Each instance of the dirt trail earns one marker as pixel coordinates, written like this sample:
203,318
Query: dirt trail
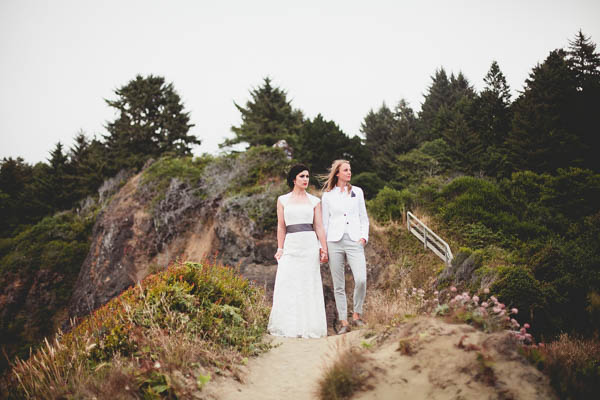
424,358
289,371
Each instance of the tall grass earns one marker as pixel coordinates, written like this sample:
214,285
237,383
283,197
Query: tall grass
162,338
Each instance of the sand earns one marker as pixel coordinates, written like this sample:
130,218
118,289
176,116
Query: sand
444,361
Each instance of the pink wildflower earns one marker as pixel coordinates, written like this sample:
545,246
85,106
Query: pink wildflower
526,325
476,299
494,299
514,311
436,293
484,304
514,322
523,330
453,289
501,305
486,291
502,312
497,309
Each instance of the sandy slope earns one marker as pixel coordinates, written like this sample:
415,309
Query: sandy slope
289,371
439,366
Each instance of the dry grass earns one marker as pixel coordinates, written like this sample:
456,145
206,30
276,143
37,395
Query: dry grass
390,307
345,375
573,366
163,338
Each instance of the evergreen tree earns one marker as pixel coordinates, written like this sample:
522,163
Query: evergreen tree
15,177
491,119
151,122
88,165
584,60
321,141
438,96
542,138
267,118
387,134
464,144
585,63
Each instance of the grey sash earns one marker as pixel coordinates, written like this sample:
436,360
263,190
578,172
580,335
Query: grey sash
298,228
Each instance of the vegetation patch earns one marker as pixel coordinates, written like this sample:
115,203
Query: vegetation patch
158,339
39,267
345,376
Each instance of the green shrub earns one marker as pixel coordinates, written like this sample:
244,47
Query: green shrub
54,249
390,204
212,314
369,182
517,287
256,166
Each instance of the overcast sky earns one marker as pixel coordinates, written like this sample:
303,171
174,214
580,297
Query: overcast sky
60,59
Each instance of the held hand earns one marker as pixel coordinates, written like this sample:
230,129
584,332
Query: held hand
362,242
278,254
323,255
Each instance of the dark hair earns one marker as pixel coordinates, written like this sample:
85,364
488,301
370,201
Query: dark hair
294,171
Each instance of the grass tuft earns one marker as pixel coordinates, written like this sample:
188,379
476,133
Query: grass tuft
345,376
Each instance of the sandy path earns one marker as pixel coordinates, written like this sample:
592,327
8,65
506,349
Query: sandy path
289,371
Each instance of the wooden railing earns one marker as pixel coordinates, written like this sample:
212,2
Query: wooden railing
429,239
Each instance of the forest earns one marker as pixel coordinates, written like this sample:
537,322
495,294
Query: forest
515,181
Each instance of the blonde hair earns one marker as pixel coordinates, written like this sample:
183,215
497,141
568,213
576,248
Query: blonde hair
330,179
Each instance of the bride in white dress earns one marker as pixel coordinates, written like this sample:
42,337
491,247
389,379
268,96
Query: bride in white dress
298,304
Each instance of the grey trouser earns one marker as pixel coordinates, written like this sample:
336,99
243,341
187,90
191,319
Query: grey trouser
339,251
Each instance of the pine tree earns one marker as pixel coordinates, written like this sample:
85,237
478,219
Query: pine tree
438,96
387,134
465,145
491,119
267,118
321,141
542,138
151,122
585,63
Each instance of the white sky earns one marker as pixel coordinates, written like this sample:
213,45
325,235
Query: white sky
59,59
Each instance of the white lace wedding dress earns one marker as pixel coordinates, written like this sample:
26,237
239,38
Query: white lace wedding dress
298,305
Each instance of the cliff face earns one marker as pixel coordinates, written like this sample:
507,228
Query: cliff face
227,210
162,214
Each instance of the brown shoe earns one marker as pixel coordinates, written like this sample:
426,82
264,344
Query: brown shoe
358,322
345,329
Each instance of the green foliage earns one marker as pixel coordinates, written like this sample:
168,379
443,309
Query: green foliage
369,182
151,123
320,142
388,133
517,287
572,364
390,204
206,308
256,166
267,118
49,254
157,178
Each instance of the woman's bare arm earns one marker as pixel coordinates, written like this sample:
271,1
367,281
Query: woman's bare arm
280,230
318,225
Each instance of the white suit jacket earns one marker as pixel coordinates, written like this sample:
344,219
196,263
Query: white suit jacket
339,214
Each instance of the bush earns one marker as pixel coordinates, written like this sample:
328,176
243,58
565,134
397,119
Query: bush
47,257
174,325
390,204
369,182
573,366
517,287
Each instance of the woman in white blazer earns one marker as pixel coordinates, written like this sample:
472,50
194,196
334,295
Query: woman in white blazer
347,230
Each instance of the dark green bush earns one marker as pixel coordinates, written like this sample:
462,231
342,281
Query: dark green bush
517,287
390,204
369,182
